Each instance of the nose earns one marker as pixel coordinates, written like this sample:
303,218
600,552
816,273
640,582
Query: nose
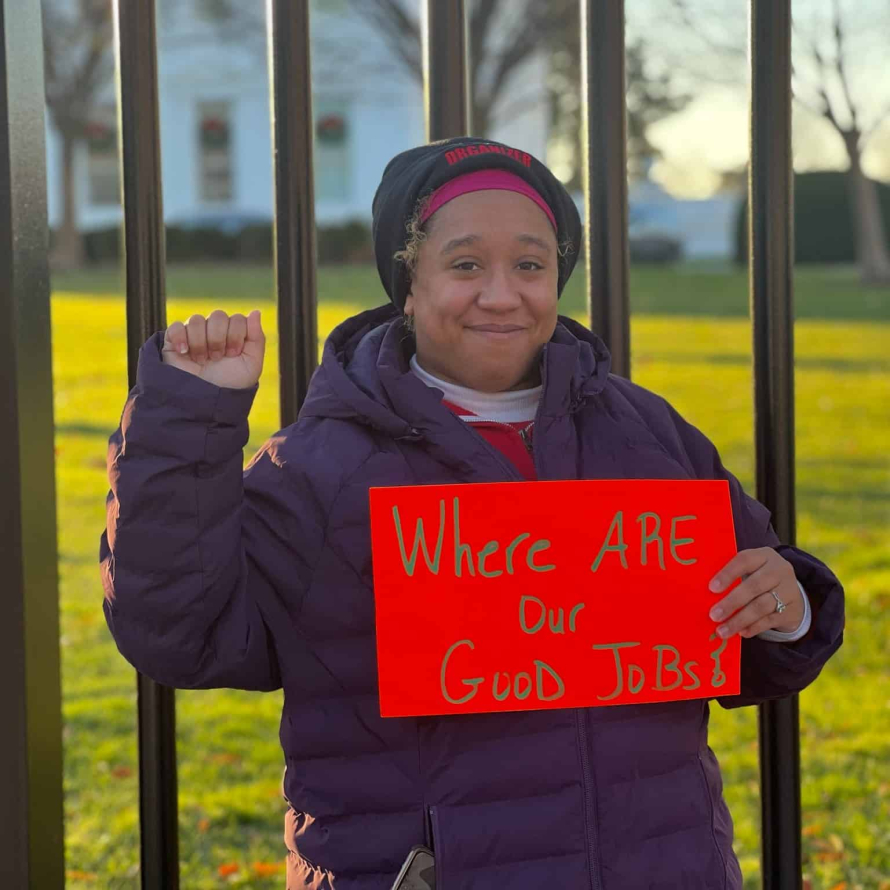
499,291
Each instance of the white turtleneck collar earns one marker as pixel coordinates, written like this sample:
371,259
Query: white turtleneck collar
512,406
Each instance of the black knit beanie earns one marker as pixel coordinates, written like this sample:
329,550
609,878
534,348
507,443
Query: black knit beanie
420,171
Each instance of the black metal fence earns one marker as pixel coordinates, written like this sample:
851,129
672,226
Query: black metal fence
31,815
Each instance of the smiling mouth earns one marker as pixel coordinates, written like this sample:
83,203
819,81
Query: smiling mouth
496,328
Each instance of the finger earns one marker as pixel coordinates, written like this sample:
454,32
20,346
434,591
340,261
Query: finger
255,328
762,581
758,627
176,339
236,334
196,329
217,330
756,610
745,562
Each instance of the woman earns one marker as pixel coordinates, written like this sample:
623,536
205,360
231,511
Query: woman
262,580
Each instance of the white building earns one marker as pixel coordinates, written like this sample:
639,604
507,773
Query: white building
215,132
216,142
705,227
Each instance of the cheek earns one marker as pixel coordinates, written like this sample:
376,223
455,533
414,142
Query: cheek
446,303
546,309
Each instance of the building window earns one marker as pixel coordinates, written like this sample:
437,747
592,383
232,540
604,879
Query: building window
103,173
333,173
215,151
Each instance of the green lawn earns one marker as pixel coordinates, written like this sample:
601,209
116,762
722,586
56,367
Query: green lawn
691,343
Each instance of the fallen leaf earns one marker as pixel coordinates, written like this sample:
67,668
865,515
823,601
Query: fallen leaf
837,843
203,825
122,772
74,875
227,868
841,886
267,869
815,829
226,757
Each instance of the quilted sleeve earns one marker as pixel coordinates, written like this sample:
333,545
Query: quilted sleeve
769,669
196,555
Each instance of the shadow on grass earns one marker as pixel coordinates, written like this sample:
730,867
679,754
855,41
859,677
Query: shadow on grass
84,429
809,362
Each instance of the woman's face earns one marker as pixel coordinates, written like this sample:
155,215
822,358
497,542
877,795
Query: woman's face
483,295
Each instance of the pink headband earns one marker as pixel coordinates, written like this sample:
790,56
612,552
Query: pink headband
482,180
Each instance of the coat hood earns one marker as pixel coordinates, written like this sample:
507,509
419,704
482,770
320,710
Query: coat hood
365,377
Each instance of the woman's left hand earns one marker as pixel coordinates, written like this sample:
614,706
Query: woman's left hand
751,604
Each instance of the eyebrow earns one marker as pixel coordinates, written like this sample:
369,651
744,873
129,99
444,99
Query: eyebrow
454,243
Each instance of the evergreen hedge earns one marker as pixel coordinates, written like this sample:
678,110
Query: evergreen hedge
823,220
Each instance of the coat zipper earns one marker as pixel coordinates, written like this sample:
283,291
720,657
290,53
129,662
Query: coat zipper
590,826
591,829
428,829
523,433
436,847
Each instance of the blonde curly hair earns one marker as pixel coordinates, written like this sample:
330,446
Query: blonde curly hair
416,236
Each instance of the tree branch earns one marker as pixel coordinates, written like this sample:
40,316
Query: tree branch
480,22
839,63
693,23
398,29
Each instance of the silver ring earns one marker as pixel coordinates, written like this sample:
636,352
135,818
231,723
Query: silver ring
780,606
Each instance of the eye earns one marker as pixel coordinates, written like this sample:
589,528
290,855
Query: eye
531,263
460,266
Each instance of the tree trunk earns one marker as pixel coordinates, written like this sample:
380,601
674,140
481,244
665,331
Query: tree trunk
69,250
871,235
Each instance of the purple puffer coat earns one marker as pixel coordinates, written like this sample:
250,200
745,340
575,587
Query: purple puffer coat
263,579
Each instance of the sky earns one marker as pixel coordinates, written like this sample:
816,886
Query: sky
706,56
711,135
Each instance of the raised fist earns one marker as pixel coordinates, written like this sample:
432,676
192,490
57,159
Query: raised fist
221,349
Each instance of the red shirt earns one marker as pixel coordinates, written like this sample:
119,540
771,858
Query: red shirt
508,438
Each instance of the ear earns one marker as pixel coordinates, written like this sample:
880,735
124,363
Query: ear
409,304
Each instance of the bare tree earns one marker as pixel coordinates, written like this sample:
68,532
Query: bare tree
652,95
190,23
78,63
500,43
503,34
825,84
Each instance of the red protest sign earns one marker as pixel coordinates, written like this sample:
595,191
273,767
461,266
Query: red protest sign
520,596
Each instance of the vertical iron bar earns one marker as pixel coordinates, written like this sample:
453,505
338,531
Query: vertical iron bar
446,93
604,138
144,252
295,252
770,193
32,848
